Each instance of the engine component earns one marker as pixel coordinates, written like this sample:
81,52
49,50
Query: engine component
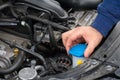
80,4
41,32
109,51
9,54
4,5
27,74
24,49
83,72
55,25
16,64
79,18
48,5
4,63
63,63
2,50
40,23
8,22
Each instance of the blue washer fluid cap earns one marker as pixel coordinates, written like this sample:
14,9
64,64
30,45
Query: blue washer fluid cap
78,50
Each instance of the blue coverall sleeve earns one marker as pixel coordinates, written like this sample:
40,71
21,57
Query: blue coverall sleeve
108,16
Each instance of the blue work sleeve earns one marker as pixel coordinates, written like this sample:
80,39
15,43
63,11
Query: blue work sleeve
108,16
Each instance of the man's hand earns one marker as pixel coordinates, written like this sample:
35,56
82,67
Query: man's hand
85,34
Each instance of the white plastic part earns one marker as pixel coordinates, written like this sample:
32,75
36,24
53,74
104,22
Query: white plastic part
77,61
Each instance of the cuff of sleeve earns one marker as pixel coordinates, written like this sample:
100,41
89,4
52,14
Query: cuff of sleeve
103,24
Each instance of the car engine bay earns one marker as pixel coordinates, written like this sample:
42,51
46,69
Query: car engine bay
30,40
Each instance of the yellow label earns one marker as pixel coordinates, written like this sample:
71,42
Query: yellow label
79,62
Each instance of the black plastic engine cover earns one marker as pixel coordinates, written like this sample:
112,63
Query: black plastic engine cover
80,4
50,5
109,51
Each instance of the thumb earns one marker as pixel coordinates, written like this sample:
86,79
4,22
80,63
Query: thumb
90,48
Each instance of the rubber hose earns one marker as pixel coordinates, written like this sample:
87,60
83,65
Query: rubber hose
5,5
17,63
53,24
29,30
52,38
43,49
26,50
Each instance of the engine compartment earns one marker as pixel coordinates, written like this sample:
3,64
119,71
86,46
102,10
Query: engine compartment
30,39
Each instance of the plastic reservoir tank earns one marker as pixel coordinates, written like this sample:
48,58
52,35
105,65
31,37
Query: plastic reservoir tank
77,52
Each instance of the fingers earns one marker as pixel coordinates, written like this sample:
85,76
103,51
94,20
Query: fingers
72,40
93,42
72,37
90,48
65,36
82,34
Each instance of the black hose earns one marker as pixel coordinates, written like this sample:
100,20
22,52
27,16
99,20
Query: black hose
29,30
53,24
17,63
52,38
26,50
43,49
9,22
13,12
2,79
8,4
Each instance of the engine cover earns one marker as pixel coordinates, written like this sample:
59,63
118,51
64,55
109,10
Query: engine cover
50,5
80,4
